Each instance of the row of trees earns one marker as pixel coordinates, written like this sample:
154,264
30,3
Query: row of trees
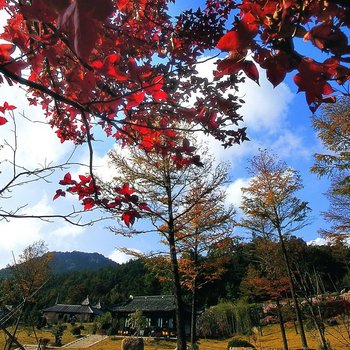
318,270
269,204
243,262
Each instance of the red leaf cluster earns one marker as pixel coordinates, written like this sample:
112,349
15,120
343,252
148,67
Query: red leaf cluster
128,67
3,109
125,201
269,29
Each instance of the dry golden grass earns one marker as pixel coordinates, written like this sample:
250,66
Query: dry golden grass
28,335
270,340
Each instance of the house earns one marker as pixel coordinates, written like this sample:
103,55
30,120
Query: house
72,313
158,310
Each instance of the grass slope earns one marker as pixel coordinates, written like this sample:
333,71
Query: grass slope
271,340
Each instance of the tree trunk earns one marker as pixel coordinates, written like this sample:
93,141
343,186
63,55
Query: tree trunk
319,325
281,322
194,315
194,295
292,291
179,307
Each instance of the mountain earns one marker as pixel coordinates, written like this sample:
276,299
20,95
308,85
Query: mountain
63,262
78,261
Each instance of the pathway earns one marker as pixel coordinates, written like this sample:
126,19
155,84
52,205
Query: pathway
85,342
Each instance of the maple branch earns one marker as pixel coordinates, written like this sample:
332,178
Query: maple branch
91,152
48,218
41,88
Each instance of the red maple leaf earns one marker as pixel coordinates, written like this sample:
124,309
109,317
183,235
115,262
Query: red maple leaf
135,99
82,19
241,37
67,180
88,203
312,78
125,190
59,193
3,120
129,217
232,66
5,52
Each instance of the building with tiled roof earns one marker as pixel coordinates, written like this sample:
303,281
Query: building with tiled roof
85,312
158,310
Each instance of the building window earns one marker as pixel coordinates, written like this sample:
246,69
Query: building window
160,322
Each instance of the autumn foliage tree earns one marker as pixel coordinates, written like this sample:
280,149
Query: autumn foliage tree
333,128
30,270
207,225
269,199
28,274
176,198
267,280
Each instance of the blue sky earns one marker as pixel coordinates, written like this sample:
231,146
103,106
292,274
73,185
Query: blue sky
277,119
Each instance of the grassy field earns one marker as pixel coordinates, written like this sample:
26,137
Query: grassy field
271,339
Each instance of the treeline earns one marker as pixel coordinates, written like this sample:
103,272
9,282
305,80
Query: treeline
319,268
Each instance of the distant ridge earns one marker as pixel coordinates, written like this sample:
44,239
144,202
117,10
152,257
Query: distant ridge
63,262
78,261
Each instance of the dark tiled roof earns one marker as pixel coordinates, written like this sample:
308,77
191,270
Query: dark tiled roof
73,309
147,303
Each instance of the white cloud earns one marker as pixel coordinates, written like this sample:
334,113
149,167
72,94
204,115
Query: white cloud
265,107
36,141
18,233
234,192
264,113
289,144
318,241
121,257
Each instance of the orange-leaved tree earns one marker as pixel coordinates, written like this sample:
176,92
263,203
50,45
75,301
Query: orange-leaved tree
207,225
27,275
266,279
270,197
173,197
333,128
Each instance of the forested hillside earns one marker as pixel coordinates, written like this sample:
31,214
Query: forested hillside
115,283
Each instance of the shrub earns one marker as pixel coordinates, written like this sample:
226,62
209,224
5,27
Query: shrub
104,322
57,332
236,343
76,331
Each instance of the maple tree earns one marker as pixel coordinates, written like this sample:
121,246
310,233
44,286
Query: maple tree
270,198
272,34
128,67
125,66
174,196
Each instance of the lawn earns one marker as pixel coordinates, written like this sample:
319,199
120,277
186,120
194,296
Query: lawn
271,339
